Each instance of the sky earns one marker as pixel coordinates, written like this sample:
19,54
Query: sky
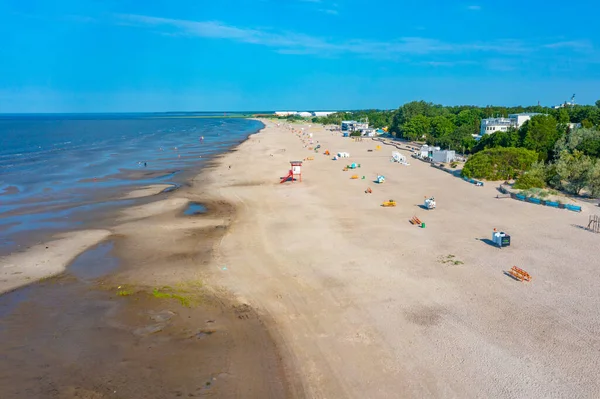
253,55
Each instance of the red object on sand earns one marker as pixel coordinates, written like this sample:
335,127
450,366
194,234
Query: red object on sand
295,171
289,176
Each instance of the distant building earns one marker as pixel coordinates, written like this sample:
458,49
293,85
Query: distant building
522,118
436,154
493,125
353,126
443,156
304,114
566,103
323,113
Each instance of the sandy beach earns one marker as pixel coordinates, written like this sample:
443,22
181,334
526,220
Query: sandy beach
313,289
367,305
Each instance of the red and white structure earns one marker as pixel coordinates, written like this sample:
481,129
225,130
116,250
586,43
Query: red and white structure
296,170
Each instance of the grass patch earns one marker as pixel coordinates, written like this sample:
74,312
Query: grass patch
124,293
536,192
187,293
451,259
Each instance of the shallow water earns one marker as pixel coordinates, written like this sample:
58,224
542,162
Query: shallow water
194,208
55,168
95,262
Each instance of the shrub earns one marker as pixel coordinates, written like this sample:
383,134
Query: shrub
355,134
533,178
499,163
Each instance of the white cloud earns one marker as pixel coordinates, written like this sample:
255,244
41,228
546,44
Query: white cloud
581,45
474,8
287,42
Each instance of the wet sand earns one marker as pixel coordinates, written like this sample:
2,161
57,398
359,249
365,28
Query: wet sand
68,339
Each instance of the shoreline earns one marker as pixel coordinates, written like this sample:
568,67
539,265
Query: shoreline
165,259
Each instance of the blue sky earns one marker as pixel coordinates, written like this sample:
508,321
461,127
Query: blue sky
194,55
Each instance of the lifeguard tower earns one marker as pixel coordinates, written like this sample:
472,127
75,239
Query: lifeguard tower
296,170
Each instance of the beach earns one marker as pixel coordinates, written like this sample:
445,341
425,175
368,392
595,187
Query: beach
311,288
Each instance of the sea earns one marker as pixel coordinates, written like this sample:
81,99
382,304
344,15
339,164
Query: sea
57,171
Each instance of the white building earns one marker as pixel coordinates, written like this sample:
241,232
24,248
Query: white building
354,126
285,113
493,125
522,118
305,114
323,113
436,154
443,156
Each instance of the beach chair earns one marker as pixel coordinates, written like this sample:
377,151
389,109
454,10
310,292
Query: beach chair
415,221
519,274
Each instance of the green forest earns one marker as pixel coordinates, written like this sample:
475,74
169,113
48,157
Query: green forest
543,152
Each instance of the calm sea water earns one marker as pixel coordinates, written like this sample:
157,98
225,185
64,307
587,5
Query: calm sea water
56,168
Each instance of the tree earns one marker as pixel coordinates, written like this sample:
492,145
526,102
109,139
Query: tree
572,171
416,128
535,177
540,134
598,103
593,179
587,124
441,127
460,139
467,117
510,138
584,140
563,116
499,163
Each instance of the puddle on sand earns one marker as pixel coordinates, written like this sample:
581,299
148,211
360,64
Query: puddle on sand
96,262
194,208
